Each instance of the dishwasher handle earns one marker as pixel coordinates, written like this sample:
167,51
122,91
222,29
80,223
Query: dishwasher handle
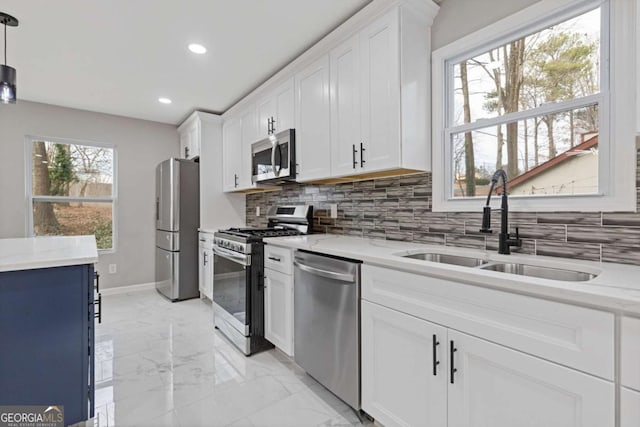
342,277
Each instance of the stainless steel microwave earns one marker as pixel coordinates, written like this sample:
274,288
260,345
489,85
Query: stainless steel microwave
273,159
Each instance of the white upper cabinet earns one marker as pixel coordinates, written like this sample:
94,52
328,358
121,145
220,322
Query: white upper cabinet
380,94
190,137
495,386
249,125
276,111
313,121
231,154
358,99
344,63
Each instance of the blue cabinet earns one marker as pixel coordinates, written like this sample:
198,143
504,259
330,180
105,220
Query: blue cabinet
46,339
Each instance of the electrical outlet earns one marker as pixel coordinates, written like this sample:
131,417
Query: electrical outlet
334,210
113,269
257,210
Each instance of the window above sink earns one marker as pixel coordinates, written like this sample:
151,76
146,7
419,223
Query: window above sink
541,94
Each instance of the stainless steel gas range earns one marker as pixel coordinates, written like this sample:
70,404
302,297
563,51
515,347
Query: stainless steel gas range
238,291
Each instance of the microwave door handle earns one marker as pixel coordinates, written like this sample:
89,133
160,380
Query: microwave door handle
274,168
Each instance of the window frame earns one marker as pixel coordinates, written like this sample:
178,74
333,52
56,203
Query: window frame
30,197
617,160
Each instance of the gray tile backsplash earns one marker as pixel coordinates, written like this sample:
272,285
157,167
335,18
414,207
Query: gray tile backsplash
400,209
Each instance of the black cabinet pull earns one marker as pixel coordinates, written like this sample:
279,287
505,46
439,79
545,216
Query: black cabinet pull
355,162
205,258
452,350
273,125
436,362
272,258
362,161
96,277
98,315
235,180
186,152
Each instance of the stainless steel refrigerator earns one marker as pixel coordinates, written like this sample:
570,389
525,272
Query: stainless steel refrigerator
177,221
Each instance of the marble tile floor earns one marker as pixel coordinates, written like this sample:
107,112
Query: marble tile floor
163,364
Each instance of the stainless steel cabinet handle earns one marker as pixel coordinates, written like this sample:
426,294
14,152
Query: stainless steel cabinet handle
205,258
325,273
272,258
186,152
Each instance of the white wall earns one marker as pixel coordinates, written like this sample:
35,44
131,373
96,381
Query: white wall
457,18
141,145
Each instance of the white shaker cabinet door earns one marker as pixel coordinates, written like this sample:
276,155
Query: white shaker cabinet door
313,150
249,122
279,310
630,349
629,408
345,108
285,106
404,368
492,385
380,94
266,110
231,154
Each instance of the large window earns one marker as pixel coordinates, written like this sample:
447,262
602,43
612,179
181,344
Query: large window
71,189
537,101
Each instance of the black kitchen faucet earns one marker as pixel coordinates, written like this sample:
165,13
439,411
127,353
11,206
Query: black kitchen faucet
505,239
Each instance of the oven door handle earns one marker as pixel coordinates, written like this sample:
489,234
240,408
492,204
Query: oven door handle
325,273
232,256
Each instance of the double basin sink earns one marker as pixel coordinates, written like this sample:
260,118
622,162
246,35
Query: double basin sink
512,268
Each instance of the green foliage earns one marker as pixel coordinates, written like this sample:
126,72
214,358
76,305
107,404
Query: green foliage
104,234
61,173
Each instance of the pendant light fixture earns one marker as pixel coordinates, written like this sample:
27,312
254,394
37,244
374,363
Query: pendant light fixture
8,90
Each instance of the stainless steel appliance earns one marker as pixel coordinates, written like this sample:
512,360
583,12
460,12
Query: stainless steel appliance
238,294
274,158
327,322
177,220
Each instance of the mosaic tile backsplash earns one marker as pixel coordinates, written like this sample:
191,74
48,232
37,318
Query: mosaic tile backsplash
400,209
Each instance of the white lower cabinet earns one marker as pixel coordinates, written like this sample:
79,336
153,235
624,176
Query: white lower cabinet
629,408
491,385
279,309
403,384
482,378
205,262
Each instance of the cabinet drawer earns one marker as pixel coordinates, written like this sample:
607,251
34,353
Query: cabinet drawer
205,239
279,259
630,348
577,337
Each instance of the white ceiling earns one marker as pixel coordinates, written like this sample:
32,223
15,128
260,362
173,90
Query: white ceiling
119,56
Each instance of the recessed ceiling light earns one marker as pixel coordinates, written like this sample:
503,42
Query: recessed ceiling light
164,100
197,48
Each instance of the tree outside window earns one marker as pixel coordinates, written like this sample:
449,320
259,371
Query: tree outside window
72,190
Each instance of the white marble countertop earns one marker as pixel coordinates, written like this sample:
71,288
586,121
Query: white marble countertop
616,287
29,253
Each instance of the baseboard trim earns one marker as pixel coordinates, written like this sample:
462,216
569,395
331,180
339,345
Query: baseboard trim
126,289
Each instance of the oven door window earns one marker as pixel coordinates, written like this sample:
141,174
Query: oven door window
230,287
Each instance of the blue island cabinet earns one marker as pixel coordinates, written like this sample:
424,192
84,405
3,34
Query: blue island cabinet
46,339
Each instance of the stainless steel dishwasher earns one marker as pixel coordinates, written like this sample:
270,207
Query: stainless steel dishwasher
327,322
